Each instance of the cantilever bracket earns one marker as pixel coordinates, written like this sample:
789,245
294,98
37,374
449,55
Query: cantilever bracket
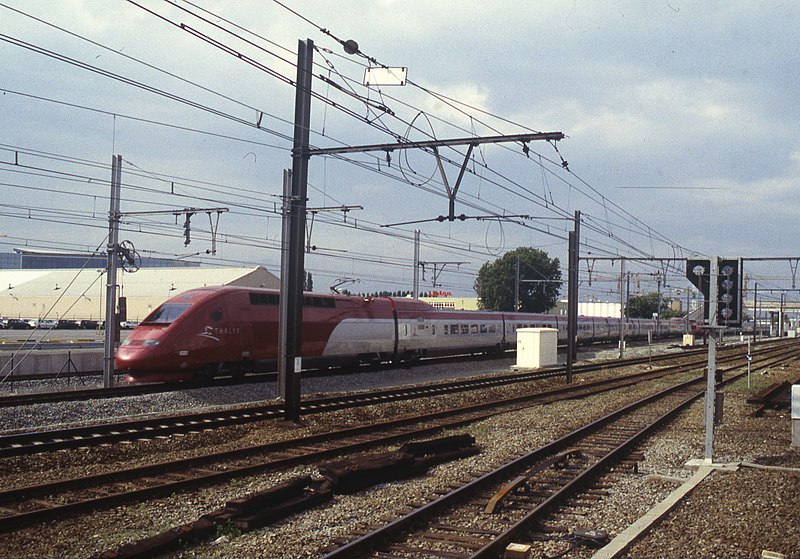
438,268
434,145
451,192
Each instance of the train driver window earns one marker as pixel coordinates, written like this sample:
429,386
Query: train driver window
216,315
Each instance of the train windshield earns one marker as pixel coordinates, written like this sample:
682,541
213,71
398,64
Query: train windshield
167,313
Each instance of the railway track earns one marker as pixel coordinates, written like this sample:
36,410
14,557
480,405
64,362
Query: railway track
123,390
78,437
514,502
83,394
26,505
120,391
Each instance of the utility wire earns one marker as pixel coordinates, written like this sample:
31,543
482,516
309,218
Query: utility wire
509,189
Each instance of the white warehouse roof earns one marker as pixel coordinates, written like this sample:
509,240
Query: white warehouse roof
80,294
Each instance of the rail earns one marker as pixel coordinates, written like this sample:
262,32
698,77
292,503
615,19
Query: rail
77,437
25,505
448,524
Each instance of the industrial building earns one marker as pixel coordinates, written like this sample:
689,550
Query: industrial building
79,294
34,259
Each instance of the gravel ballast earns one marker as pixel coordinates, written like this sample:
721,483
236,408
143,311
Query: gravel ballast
729,515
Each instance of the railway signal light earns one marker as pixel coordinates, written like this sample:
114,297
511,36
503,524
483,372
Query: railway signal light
187,229
729,288
122,303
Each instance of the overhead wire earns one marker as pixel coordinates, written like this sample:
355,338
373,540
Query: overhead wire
166,179
146,120
453,104
232,51
602,197
143,63
117,77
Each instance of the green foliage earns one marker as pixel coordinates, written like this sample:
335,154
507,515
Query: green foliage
496,281
668,312
645,306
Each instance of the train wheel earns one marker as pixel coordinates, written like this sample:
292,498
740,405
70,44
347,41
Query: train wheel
206,373
410,357
239,370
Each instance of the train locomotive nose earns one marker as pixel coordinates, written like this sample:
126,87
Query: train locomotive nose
140,355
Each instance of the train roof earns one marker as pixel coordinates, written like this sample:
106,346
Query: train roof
198,293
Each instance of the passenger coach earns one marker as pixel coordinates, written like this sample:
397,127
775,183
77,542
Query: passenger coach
211,330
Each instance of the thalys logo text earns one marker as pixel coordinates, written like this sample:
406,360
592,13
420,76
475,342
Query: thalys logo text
213,333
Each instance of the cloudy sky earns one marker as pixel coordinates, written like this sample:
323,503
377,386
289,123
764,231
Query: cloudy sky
680,118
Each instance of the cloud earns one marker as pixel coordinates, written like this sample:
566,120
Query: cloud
468,96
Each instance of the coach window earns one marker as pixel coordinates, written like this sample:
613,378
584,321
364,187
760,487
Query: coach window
465,329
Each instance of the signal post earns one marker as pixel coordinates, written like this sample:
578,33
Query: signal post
720,282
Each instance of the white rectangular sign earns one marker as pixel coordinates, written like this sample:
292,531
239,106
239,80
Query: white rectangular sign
385,76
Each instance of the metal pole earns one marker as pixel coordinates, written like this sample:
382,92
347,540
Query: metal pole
622,308
111,276
516,287
755,313
712,357
416,264
658,308
571,330
283,310
289,358
687,310
572,296
627,299
749,359
575,280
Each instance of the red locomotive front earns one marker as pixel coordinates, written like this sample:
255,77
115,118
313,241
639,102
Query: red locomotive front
183,336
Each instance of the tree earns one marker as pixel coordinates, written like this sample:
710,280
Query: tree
309,283
646,305
540,281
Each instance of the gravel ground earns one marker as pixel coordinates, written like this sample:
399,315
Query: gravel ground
729,515
734,514
65,414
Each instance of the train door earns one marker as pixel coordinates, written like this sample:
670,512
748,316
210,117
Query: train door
240,333
247,341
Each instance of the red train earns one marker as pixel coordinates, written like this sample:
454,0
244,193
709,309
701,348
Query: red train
210,330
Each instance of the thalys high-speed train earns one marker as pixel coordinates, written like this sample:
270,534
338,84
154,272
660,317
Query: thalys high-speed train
210,330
